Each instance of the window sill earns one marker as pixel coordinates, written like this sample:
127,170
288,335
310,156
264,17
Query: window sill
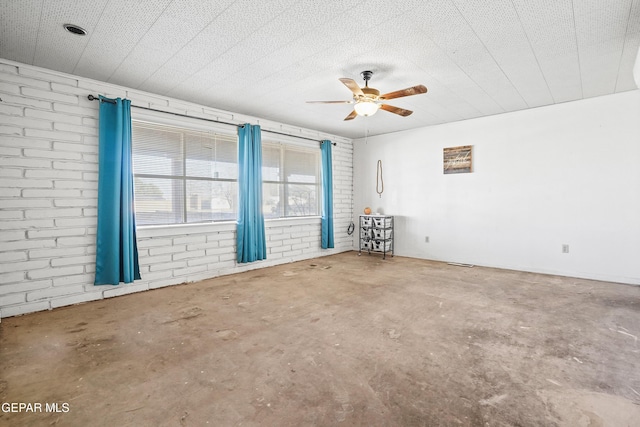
301,220
146,231
180,229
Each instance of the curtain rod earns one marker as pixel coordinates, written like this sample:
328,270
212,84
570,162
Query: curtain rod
111,101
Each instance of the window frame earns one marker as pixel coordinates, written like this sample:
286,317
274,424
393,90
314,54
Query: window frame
283,184
184,126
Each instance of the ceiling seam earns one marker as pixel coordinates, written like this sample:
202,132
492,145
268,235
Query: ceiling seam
228,49
133,48
438,119
185,44
35,47
491,55
544,77
465,73
480,113
624,43
575,33
90,36
209,87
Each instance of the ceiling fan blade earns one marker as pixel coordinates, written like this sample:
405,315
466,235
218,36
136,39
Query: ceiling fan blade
353,86
395,110
415,90
329,102
351,116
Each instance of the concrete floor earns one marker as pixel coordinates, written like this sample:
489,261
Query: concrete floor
341,340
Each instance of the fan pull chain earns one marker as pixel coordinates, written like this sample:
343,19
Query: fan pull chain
379,180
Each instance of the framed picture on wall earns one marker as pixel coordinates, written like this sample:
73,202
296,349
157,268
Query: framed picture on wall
458,159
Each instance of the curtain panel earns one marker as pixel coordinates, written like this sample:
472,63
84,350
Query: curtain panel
326,224
251,241
116,246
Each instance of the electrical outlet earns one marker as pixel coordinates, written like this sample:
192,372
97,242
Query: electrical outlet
565,249
426,239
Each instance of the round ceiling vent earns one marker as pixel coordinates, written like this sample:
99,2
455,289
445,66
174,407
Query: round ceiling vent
74,29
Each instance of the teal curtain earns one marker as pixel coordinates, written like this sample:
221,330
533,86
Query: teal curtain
116,247
326,224
251,241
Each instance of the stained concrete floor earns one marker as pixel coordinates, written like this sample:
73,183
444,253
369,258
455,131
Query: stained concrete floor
341,340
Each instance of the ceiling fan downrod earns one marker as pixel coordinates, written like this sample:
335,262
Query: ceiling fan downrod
366,75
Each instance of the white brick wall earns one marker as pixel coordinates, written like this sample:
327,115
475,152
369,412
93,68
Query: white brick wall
48,200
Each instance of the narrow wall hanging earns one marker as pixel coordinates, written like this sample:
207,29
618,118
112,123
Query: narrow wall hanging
379,180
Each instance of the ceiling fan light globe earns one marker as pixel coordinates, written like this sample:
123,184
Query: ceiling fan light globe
366,108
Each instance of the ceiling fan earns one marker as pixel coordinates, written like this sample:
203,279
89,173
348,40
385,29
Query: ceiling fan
368,100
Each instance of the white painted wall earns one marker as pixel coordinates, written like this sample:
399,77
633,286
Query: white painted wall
48,199
563,174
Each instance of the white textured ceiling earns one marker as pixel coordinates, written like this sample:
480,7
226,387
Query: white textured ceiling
266,58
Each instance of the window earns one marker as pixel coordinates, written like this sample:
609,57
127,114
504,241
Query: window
290,180
183,175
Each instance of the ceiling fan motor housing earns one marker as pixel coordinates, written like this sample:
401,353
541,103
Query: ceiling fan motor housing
371,92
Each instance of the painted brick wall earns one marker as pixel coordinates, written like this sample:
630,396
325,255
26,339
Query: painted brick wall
48,199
